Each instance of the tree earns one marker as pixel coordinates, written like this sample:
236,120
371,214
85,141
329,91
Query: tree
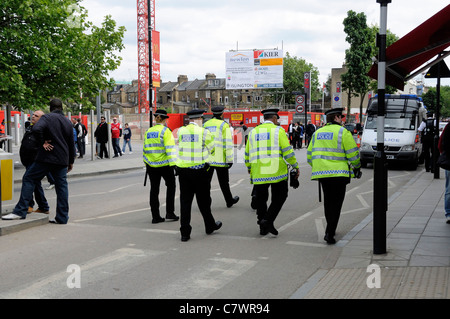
48,49
390,39
293,72
429,99
357,57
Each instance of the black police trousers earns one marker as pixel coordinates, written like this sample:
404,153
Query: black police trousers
195,182
224,181
155,174
279,195
333,198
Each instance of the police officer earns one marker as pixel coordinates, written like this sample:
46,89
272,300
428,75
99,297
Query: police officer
331,149
194,146
222,158
427,128
266,153
160,160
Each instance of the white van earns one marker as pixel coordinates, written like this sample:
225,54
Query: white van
403,116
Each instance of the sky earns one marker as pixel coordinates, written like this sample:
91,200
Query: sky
196,34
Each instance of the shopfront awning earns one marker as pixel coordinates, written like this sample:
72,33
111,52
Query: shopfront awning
406,57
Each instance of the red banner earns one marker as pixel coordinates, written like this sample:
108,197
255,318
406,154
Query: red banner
156,75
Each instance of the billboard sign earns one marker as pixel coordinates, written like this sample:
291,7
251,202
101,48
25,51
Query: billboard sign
254,69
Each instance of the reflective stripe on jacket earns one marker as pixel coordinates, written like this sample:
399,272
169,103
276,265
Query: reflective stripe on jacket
194,145
223,147
159,147
330,151
266,151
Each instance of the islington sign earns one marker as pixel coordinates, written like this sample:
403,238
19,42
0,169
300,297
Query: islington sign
254,69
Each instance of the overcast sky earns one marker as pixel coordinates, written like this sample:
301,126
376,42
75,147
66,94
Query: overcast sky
196,34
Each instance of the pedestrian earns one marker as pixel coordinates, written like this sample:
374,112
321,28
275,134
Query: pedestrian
444,145
160,159
81,138
309,131
116,133
101,135
28,151
195,144
127,138
266,154
291,131
55,132
427,129
243,130
222,156
75,137
51,181
331,149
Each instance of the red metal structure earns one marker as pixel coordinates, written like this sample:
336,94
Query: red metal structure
145,20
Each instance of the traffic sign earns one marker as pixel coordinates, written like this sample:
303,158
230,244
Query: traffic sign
300,101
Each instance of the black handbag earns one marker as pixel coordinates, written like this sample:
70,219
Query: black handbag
443,161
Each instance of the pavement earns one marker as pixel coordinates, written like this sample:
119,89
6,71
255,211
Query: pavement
416,264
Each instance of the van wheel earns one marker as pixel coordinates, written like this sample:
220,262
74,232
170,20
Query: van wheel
363,164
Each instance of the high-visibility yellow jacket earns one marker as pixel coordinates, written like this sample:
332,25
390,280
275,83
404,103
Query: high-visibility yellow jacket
266,153
330,151
195,144
223,147
159,147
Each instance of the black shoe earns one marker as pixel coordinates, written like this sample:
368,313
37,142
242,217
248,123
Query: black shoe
217,226
172,217
54,221
185,238
157,220
115,156
234,201
329,239
266,227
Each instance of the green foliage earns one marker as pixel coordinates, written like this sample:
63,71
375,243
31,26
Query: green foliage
357,57
48,49
430,101
390,39
293,72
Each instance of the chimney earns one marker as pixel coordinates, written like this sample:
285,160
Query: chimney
182,78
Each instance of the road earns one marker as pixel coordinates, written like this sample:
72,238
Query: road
110,248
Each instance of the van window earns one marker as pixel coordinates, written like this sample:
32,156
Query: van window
393,121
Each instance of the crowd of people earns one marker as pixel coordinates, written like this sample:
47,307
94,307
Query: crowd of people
51,142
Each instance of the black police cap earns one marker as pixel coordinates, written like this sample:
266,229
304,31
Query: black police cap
270,112
162,113
336,110
218,109
193,114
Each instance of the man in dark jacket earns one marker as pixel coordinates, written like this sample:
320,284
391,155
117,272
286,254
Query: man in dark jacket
101,135
28,151
55,132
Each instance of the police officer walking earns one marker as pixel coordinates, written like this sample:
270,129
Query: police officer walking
331,149
160,160
266,153
195,144
222,158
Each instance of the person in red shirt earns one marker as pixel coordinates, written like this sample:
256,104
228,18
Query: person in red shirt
116,133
